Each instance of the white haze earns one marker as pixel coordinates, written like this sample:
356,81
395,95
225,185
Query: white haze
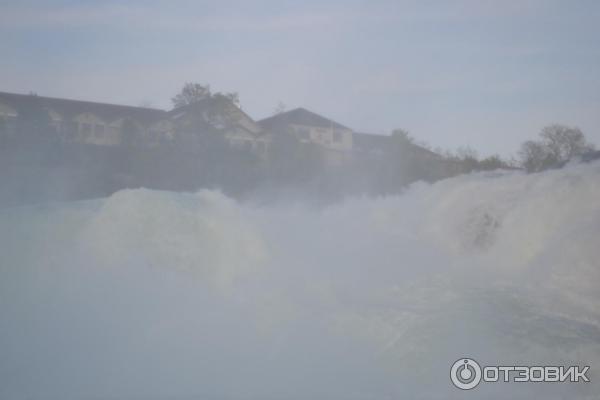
159,295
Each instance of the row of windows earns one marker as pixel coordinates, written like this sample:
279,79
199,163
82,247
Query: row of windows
99,131
304,134
259,146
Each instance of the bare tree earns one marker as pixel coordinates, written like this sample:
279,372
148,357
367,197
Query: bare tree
191,93
467,153
558,145
534,156
468,157
564,142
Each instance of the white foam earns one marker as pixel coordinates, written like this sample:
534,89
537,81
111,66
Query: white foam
155,294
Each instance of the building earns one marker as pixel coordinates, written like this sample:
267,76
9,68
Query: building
76,121
218,115
308,127
370,144
92,123
101,124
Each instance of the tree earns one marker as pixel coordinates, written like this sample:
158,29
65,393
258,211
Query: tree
234,97
194,92
564,142
402,136
558,145
467,153
279,109
468,157
534,156
191,93
492,162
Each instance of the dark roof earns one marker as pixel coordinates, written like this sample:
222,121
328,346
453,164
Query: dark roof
299,116
370,141
71,108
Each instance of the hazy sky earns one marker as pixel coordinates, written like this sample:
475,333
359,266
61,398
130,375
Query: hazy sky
487,74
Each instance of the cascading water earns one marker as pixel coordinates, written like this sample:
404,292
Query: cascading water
158,295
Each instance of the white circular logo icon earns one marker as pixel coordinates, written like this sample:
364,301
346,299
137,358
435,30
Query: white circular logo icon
465,373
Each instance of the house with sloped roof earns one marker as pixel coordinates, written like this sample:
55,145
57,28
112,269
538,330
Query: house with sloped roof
375,144
219,115
86,122
370,143
308,127
77,121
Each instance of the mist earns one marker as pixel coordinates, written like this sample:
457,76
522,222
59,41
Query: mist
196,253
280,200
153,294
